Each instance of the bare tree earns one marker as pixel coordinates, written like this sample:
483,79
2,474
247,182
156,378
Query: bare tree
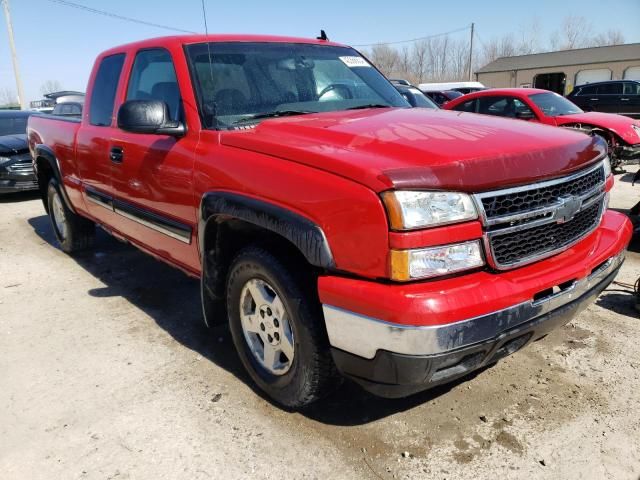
385,58
419,60
50,86
574,32
611,37
446,58
530,37
8,98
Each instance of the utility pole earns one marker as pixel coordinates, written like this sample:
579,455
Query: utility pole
14,55
471,54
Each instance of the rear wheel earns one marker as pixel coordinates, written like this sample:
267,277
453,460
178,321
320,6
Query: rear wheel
73,232
278,330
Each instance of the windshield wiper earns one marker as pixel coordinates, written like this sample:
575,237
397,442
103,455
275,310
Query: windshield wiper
277,113
369,105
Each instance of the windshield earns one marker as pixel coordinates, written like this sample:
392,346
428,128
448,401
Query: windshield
553,105
13,125
246,80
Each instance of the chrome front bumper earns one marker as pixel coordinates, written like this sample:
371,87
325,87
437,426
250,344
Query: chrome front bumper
364,336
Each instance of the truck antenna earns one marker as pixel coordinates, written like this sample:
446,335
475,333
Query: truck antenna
323,36
206,32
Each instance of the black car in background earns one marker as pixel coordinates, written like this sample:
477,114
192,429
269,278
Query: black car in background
414,96
440,97
615,96
16,169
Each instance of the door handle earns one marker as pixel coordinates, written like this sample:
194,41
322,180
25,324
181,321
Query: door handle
594,99
116,154
624,99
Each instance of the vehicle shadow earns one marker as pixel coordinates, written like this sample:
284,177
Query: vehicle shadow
19,196
626,177
172,299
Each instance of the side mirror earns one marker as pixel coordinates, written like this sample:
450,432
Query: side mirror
525,115
148,116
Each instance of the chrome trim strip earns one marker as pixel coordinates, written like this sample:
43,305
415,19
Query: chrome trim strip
533,186
99,198
166,226
158,227
364,336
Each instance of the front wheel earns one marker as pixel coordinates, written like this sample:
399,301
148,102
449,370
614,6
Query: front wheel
73,232
278,329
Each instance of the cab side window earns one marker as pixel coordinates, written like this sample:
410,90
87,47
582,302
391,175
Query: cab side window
469,106
104,89
610,89
153,77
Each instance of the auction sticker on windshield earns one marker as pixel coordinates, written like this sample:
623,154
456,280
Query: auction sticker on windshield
355,62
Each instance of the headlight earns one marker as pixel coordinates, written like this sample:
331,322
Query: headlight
637,129
4,160
409,210
607,167
435,261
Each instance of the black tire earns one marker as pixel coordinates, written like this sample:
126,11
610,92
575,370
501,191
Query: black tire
311,374
79,233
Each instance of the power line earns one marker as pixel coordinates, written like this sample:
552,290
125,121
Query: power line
118,17
414,39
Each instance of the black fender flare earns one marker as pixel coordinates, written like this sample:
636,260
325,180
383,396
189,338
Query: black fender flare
303,233
45,152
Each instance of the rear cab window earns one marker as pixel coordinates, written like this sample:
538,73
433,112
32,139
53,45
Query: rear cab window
104,89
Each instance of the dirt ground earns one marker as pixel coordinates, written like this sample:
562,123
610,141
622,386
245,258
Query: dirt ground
106,372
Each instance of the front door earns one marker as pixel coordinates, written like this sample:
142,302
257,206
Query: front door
609,95
92,141
153,180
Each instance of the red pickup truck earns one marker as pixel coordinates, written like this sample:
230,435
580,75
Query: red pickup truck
337,230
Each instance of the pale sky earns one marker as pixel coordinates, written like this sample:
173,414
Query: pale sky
57,42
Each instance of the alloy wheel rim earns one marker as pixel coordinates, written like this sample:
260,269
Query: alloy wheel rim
59,216
266,327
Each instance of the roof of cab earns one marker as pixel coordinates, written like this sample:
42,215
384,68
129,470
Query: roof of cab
201,38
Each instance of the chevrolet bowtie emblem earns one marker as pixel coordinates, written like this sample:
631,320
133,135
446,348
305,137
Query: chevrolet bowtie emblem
569,206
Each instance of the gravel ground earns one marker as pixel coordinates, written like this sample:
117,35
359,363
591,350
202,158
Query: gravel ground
107,372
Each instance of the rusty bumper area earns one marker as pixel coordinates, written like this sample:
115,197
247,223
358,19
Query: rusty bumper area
396,361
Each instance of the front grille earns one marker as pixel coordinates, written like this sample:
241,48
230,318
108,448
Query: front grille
21,168
521,201
528,223
513,247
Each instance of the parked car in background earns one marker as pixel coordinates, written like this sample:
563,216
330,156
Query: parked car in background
621,133
415,97
16,168
462,87
400,81
48,104
441,97
615,96
332,227
68,109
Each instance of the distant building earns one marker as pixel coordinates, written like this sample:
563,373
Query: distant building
561,71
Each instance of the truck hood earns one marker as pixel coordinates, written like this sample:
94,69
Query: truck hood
12,144
619,124
420,148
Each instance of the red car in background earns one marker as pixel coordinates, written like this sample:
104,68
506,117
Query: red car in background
535,105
